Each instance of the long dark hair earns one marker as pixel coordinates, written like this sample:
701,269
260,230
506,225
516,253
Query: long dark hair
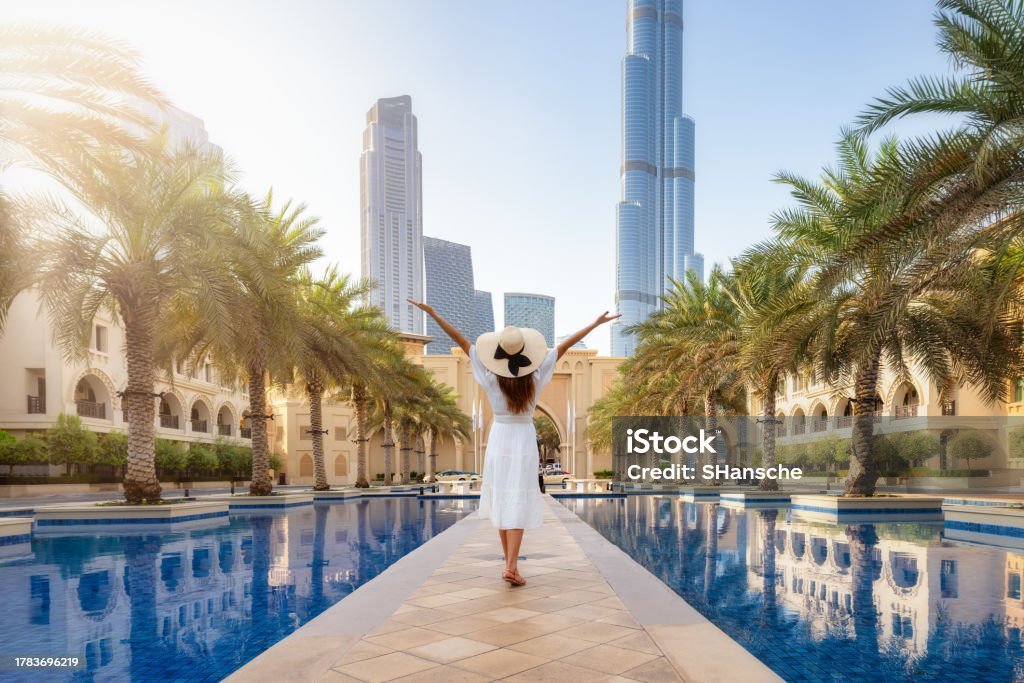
518,392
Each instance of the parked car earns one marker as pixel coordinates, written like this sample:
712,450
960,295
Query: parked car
452,475
556,477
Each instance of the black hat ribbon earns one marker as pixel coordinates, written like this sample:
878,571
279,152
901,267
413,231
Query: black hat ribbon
515,360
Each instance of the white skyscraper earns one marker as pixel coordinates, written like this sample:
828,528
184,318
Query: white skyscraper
391,204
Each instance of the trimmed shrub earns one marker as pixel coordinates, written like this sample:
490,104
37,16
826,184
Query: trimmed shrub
70,444
970,444
112,449
171,456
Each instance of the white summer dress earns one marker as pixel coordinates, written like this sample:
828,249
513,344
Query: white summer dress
510,494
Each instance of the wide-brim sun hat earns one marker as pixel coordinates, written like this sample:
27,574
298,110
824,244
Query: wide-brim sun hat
512,352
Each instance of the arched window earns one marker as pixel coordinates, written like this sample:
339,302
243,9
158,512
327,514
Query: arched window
306,465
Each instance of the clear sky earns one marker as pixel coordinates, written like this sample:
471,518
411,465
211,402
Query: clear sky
519,111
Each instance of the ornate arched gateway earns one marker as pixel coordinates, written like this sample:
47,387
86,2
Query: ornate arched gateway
580,379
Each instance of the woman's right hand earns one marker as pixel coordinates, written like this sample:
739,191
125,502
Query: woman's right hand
423,306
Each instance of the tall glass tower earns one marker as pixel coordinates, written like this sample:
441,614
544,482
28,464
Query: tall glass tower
531,310
448,274
654,220
391,211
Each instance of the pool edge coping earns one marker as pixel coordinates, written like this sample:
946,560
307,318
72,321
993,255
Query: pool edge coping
696,647
319,643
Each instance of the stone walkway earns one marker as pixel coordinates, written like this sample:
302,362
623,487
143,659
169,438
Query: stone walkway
569,623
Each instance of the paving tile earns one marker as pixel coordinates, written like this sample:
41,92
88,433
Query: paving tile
552,646
508,634
410,637
655,671
421,616
451,649
509,614
434,600
559,672
587,612
620,619
457,626
500,663
386,668
594,632
362,650
333,676
639,641
608,659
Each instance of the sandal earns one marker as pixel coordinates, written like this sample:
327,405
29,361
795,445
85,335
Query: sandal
514,578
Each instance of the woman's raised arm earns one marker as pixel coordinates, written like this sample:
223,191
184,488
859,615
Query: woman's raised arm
568,342
445,325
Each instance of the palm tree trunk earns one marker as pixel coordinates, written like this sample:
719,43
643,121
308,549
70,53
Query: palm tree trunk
389,442
420,464
261,484
768,437
140,481
405,436
315,391
359,406
432,456
863,473
711,426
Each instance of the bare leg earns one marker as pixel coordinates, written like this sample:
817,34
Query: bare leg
515,541
504,543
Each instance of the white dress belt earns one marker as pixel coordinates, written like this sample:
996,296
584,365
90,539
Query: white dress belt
513,419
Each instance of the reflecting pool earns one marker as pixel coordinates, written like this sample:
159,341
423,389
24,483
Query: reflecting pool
196,604
822,602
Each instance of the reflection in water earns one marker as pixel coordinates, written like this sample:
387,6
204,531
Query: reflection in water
819,602
195,605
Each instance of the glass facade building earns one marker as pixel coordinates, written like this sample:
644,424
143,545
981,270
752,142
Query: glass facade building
483,314
448,270
654,219
391,211
531,310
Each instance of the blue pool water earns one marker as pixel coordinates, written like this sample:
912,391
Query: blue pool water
195,605
823,602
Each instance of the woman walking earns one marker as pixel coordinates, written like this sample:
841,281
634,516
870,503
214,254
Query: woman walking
512,366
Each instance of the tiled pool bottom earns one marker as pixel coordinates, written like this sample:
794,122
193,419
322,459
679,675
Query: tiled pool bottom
196,605
820,602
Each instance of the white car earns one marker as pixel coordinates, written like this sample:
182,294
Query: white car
453,475
556,477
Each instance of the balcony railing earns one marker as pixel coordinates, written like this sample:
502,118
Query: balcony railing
224,430
245,432
820,424
844,421
36,405
91,409
799,428
169,421
199,426
906,411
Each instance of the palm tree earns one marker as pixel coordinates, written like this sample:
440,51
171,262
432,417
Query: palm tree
763,290
696,335
262,330
67,92
150,242
66,95
970,176
390,375
442,419
852,320
337,344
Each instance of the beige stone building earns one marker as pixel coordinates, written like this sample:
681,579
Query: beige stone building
811,410
581,377
37,384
